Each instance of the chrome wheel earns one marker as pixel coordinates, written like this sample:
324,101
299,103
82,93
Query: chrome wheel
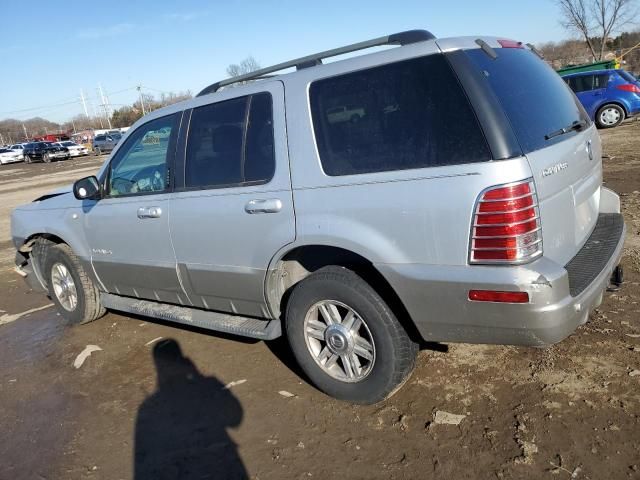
610,116
339,341
64,287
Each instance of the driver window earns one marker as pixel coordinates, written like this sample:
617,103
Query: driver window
140,166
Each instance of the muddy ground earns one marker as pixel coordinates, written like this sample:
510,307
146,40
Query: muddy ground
161,401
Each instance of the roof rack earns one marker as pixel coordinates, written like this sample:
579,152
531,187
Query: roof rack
401,38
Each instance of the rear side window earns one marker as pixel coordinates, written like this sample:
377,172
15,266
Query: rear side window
231,143
410,114
534,97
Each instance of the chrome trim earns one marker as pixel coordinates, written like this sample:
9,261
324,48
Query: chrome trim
506,199
476,249
536,218
474,237
521,261
507,211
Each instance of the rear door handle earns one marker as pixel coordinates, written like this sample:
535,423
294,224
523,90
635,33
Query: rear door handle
149,212
272,205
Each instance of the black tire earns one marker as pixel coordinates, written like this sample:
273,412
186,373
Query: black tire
395,352
27,158
46,158
88,307
97,151
614,110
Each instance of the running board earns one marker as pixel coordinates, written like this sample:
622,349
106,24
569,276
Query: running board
220,322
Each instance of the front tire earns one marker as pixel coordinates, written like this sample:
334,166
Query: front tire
346,338
27,158
97,151
74,294
609,116
46,158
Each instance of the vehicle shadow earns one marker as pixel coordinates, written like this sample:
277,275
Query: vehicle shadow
181,429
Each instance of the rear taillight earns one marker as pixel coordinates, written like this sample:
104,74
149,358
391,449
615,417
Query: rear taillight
629,87
506,225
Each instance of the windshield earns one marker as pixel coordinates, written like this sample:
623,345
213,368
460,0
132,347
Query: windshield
535,98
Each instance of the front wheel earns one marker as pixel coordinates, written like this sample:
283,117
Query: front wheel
46,158
609,116
97,151
76,297
27,158
346,338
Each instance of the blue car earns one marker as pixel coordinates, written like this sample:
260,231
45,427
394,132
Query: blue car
608,96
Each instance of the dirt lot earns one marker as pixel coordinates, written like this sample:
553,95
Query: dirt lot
160,401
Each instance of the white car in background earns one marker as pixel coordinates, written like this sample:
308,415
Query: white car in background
10,156
18,148
75,150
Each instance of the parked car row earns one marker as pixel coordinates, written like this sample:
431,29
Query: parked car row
41,152
608,96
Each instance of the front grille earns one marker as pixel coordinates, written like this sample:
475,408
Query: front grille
594,255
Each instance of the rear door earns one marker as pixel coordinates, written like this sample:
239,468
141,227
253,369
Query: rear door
566,167
233,208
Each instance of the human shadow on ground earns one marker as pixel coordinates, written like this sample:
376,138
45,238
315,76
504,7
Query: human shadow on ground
182,428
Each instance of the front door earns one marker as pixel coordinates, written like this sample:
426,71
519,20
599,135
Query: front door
233,206
128,229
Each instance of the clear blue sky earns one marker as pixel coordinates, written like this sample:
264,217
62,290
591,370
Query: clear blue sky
51,50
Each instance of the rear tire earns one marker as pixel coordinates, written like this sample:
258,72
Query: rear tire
363,357
27,158
609,116
46,158
97,151
74,294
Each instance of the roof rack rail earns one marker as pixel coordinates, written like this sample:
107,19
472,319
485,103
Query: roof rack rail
401,38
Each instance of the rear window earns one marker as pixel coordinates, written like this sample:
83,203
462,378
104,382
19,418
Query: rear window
535,98
627,76
406,115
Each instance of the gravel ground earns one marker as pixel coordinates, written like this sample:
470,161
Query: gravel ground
162,401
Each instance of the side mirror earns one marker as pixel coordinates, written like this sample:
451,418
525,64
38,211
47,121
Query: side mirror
87,188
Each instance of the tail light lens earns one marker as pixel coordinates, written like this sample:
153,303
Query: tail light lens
629,87
506,225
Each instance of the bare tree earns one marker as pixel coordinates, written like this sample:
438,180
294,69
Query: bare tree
247,65
596,20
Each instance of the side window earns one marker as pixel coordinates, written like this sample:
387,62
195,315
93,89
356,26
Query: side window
583,83
140,166
600,81
410,114
99,138
230,143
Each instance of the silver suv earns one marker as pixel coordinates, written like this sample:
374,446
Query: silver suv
105,143
464,205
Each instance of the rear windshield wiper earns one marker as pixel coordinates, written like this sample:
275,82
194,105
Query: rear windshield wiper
574,127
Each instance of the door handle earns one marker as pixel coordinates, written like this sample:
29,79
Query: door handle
272,205
149,212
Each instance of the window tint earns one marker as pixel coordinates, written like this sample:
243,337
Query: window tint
99,138
410,114
141,163
581,83
534,97
231,143
600,81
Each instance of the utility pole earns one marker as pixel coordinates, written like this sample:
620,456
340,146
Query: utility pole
104,105
141,99
84,104
1,139
74,126
26,135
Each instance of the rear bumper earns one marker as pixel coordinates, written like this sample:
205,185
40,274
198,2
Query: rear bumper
561,297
